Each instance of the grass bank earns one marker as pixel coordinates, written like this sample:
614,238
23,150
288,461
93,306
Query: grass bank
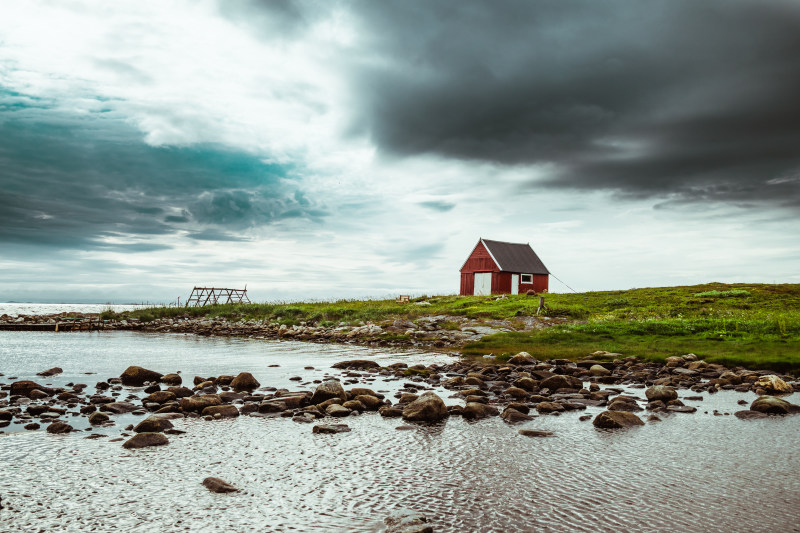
754,325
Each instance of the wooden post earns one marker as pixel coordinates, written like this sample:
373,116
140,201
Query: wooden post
541,305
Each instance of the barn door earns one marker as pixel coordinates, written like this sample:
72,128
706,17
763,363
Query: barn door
483,283
514,283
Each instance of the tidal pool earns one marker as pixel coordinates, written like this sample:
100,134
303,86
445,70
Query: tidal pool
689,472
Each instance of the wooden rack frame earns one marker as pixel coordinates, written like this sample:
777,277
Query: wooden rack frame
202,296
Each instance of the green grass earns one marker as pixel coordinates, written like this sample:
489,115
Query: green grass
754,325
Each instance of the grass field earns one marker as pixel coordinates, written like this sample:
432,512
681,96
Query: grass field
753,325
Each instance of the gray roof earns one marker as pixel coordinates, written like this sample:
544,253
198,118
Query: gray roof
514,257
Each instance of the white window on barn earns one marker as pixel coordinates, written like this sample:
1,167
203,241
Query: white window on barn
526,278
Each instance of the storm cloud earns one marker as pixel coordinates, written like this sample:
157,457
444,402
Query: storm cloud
697,100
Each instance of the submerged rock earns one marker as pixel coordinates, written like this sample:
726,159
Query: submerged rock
749,415
534,433
50,372
330,428
215,484
429,407
143,440
153,424
616,419
407,521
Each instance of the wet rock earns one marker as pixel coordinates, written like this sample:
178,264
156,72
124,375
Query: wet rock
328,390
526,383
221,411
195,404
8,415
32,426
271,407
549,407
354,405
512,416
407,521
356,364
37,394
561,382
616,419
161,396
143,440
773,385
653,418
516,393
153,424
118,408
370,403
771,405
59,427
50,372
681,409
599,370
174,380
388,411
215,484
180,392
475,411
361,391
24,388
749,415
136,376
337,410
98,418
623,403
522,358
244,382
534,433
330,428
429,407
661,392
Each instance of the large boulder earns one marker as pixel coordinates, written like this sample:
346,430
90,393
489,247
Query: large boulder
136,376
172,379
477,410
772,406
198,403
617,419
429,407
59,427
244,382
328,390
224,411
773,385
215,484
561,382
143,440
24,388
153,424
661,392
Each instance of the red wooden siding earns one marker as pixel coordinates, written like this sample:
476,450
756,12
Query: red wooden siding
467,284
480,261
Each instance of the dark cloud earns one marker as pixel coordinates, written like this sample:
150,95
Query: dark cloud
697,99
93,183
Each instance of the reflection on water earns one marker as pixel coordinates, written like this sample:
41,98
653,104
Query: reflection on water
696,472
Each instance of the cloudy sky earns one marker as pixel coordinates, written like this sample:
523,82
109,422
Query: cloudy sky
322,149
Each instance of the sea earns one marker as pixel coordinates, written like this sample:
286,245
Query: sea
707,471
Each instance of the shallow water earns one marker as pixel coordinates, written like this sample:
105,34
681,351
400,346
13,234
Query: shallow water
690,472
22,308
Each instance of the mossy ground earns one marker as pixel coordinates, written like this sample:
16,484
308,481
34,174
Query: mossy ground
754,325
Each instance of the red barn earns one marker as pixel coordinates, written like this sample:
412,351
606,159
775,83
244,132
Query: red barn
496,267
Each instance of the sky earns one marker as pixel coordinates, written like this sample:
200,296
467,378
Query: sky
350,149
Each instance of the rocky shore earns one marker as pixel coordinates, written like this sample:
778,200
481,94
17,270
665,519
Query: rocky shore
432,332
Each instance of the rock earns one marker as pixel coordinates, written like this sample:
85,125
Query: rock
512,416
143,440
549,407
599,370
24,388
50,372
773,385
661,392
198,403
215,484
561,382
522,358
535,433
271,407
330,428
371,403
681,409
8,415
526,383
407,521
337,410
136,376
37,394
429,407
354,405
476,410
153,424
32,426
59,427
771,405
221,411
244,382
97,418
356,364
162,396
328,390
388,411
516,393
616,419
180,392
174,380
360,391
749,415
623,403
118,408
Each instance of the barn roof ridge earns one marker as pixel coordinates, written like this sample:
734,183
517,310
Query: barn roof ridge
514,257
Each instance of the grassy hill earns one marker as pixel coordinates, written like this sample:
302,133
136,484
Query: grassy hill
755,325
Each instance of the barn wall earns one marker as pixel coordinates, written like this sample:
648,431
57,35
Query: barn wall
501,283
540,282
480,261
467,284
